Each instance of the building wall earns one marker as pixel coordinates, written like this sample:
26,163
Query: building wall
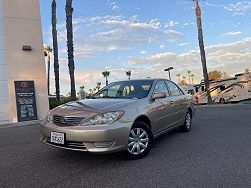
22,26
4,99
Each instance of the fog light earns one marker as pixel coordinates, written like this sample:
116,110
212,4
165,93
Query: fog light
107,144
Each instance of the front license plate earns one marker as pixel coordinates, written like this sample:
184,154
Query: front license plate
57,138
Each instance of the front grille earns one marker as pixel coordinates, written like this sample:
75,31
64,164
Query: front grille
66,120
68,144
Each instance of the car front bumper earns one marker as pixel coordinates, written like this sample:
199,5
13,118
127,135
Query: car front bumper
94,139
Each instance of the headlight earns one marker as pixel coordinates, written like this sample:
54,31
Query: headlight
106,118
49,117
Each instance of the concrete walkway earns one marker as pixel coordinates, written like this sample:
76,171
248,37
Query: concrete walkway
19,124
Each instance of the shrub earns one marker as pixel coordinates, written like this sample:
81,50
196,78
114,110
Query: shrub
54,102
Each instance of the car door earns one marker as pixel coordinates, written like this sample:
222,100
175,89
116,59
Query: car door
179,103
160,108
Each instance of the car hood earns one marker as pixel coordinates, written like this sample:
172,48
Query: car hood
88,107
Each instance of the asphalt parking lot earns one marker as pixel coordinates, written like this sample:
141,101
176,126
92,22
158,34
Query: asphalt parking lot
216,153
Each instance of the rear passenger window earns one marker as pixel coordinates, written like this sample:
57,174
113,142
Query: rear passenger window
174,89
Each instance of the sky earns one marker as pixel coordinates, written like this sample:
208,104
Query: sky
148,36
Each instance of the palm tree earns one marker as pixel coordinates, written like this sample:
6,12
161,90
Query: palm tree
98,85
178,75
192,76
129,73
202,50
90,91
106,74
183,78
70,47
189,77
82,88
247,71
47,53
55,46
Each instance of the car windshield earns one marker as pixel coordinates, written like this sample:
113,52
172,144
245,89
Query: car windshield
132,89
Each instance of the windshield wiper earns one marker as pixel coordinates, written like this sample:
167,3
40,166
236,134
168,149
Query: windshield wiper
109,97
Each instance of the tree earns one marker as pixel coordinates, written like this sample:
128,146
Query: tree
55,46
225,75
178,75
106,74
90,91
70,47
183,83
47,53
192,76
189,77
128,74
183,78
82,88
247,71
214,75
98,85
202,50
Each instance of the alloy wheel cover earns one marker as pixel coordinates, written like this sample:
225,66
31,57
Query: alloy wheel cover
138,141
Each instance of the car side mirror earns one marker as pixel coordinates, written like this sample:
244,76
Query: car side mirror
159,95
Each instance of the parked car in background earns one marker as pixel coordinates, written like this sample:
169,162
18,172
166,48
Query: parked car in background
125,115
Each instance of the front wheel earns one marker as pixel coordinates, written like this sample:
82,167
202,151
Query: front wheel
139,141
188,122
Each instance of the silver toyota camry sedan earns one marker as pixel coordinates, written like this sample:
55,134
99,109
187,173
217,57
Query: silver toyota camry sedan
125,115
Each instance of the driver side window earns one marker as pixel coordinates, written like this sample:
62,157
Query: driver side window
161,87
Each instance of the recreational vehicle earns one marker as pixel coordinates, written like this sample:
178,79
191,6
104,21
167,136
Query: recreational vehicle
233,89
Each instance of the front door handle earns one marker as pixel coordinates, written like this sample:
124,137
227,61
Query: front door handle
171,102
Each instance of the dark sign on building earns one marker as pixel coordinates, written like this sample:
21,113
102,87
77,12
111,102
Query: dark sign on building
25,100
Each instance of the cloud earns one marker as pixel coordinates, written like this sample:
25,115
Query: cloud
170,24
109,33
239,8
232,33
143,52
183,44
231,57
162,46
113,5
211,5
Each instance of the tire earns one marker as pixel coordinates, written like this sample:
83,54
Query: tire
139,141
186,127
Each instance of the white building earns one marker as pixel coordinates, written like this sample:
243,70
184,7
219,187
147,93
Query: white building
20,26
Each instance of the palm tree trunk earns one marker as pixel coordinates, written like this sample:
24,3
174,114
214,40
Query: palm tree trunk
55,47
48,73
189,79
106,81
69,28
202,51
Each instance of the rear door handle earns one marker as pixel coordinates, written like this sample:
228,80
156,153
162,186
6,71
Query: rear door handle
171,102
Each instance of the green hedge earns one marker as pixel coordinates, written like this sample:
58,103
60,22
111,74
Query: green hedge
54,102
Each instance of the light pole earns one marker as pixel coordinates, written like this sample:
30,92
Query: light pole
169,69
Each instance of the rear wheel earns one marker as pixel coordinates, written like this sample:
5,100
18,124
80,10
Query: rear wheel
188,122
139,141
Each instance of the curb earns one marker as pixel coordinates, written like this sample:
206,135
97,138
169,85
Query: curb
20,124
220,105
